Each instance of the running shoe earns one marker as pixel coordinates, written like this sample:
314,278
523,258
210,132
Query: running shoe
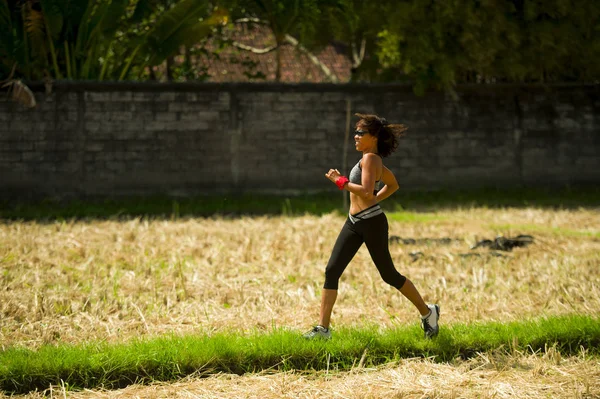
318,332
430,322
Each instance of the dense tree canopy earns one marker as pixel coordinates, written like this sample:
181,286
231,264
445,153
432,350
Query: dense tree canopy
446,42
431,43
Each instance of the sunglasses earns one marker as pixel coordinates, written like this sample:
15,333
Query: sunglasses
360,132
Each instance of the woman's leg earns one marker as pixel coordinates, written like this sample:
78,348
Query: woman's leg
328,298
412,294
346,246
376,239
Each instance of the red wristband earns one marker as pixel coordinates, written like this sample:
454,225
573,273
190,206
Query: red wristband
341,182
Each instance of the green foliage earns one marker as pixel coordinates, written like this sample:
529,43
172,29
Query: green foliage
441,43
172,357
283,16
7,41
297,18
99,39
357,24
434,44
177,26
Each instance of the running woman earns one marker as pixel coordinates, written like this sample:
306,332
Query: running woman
367,223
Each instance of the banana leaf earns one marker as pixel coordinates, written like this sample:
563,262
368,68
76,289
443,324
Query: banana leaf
184,24
6,32
54,17
143,9
97,30
80,39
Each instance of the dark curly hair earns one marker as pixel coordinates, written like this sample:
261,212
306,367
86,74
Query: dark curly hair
387,135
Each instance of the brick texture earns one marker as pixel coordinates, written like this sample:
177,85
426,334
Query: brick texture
111,140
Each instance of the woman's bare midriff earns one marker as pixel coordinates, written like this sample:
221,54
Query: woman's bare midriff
358,204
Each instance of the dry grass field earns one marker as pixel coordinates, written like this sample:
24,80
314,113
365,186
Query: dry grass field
111,280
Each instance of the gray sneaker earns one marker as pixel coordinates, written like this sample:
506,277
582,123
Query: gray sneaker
430,322
318,332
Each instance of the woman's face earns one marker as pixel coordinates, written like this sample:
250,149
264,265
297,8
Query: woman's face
363,140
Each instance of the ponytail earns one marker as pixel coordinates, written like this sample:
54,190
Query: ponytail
387,135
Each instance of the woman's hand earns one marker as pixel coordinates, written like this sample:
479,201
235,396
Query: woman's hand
333,174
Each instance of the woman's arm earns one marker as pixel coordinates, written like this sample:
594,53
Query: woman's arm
391,185
370,164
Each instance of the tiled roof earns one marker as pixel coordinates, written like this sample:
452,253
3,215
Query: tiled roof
237,65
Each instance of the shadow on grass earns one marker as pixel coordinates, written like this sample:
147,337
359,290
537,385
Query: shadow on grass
298,205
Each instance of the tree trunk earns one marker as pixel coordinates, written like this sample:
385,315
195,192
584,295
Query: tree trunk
278,62
169,74
187,62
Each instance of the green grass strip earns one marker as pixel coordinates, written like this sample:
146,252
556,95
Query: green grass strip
536,228
168,358
415,217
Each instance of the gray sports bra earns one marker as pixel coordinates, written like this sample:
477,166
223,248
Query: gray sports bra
356,176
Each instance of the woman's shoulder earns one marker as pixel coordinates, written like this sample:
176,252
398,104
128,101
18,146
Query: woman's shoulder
372,158
371,155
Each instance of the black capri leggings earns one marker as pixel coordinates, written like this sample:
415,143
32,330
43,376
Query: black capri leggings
374,233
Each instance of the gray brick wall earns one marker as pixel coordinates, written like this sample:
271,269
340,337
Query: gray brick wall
108,140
